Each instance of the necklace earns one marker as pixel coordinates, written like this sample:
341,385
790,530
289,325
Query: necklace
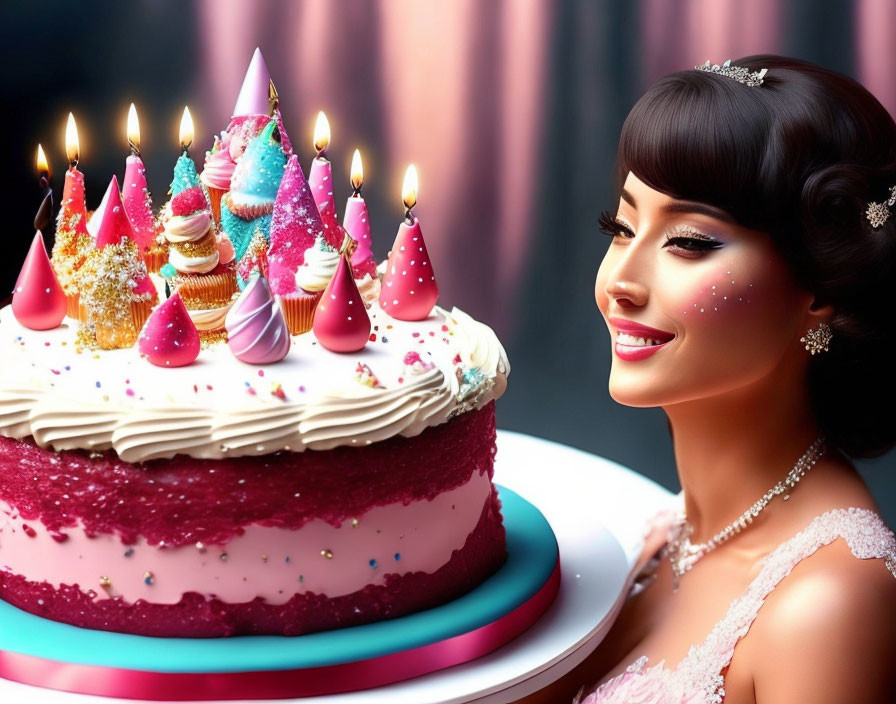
683,554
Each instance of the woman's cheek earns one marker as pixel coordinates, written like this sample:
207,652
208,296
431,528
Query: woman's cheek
715,296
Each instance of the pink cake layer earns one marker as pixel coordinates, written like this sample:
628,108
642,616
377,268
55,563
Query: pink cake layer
184,517
267,562
197,616
183,501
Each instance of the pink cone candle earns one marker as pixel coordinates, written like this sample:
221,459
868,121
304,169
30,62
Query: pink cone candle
320,179
341,323
38,301
134,193
409,289
357,223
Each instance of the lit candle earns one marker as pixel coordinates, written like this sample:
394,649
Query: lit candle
44,219
72,239
135,194
186,131
320,179
357,223
409,289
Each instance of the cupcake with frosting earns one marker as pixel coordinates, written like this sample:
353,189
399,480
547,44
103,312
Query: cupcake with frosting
202,258
300,261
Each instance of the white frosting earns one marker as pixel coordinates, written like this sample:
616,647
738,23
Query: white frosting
263,561
320,265
220,406
192,264
210,318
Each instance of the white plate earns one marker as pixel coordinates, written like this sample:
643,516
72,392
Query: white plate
597,509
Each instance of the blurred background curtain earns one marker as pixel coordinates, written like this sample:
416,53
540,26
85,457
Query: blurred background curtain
511,110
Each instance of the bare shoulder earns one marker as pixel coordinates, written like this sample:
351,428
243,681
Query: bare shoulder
825,633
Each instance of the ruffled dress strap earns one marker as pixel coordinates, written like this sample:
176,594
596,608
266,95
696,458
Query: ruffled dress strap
865,533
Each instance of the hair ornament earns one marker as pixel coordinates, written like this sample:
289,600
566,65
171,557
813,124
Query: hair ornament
879,213
741,74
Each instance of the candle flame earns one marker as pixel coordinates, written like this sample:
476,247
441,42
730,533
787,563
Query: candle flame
72,145
43,167
133,128
321,133
186,129
357,171
409,188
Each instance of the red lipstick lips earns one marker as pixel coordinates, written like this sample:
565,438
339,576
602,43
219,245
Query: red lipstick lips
637,352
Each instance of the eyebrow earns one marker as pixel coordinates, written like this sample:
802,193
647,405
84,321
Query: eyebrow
684,206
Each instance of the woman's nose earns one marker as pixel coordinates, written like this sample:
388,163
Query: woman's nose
626,293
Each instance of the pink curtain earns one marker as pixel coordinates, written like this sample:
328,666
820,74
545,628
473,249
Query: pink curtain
876,49
454,87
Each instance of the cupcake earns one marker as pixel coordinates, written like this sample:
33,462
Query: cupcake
202,258
216,173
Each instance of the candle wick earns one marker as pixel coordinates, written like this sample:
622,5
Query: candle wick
356,192
409,216
73,164
134,150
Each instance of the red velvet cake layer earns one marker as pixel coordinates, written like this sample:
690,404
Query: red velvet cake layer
185,500
196,616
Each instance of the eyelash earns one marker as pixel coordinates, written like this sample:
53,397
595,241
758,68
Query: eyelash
695,243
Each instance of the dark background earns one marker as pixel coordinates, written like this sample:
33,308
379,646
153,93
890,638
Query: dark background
512,111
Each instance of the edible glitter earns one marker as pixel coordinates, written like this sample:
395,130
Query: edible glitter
149,578
105,582
372,563
327,554
355,523
397,556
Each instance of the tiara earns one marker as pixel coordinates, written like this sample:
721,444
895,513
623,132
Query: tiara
740,74
879,213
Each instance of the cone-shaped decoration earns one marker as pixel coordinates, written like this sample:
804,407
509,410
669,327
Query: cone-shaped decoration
73,242
256,328
341,323
409,287
138,203
38,301
115,226
294,226
253,190
253,97
169,338
93,224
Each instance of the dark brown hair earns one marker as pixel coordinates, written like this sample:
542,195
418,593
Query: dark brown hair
799,157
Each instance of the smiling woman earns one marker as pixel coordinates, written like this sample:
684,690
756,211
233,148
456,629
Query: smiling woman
747,292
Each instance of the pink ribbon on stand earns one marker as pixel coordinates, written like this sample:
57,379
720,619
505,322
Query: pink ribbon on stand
280,684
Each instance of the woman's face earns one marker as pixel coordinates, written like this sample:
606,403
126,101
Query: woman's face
717,297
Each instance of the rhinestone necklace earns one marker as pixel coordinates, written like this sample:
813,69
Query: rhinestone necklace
683,554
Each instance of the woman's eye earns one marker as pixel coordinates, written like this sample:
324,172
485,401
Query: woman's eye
692,245
612,227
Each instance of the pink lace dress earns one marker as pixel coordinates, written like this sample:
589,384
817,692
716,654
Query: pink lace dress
697,679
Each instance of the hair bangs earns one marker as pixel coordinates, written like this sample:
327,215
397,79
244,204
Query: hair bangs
695,137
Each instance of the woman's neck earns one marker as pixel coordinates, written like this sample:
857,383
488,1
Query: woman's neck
732,448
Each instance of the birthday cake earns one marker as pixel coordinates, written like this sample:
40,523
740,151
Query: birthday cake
283,477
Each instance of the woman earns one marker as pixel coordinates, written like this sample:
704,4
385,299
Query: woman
749,291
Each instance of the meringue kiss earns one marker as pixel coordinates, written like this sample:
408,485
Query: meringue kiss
169,338
38,301
256,328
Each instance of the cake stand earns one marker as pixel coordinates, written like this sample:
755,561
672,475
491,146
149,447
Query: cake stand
596,509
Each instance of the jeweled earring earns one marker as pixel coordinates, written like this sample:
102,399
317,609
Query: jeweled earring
818,338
